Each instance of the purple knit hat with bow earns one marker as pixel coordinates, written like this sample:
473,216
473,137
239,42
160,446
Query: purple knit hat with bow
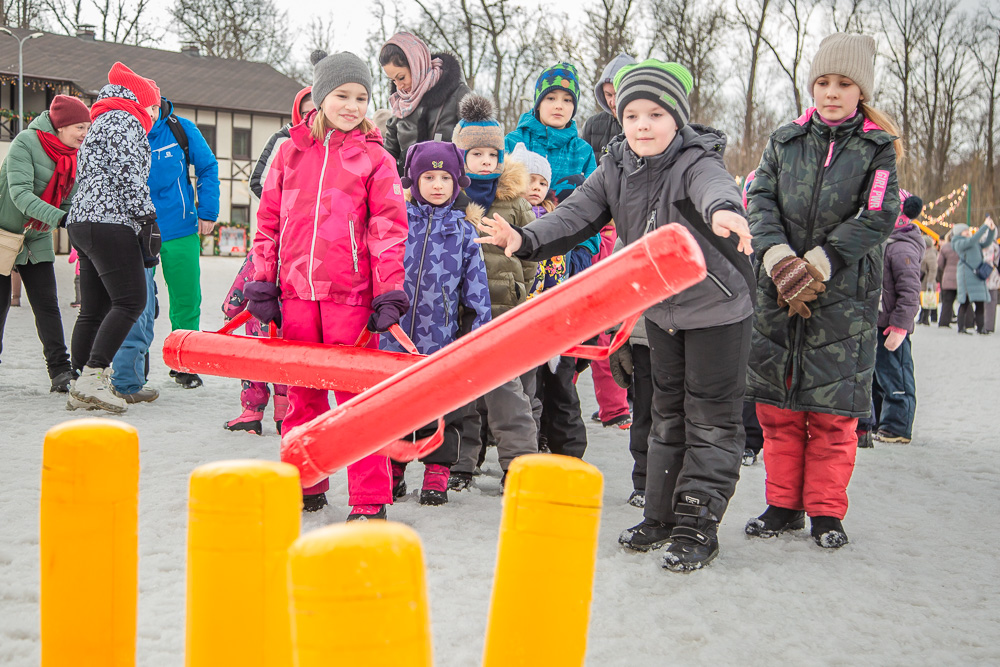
430,156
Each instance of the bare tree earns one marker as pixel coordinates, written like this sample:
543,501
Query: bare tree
752,18
689,32
796,15
243,29
494,20
986,51
904,24
847,15
452,26
65,14
942,85
608,31
21,14
387,19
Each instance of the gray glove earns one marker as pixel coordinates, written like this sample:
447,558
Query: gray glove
621,366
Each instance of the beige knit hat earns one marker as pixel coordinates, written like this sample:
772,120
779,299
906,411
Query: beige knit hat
852,56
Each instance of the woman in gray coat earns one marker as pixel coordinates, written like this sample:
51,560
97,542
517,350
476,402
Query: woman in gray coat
928,279
972,288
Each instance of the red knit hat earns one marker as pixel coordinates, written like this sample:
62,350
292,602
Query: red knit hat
145,89
68,110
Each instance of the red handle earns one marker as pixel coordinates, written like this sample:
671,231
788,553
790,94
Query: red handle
397,333
600,352
410,450
233,324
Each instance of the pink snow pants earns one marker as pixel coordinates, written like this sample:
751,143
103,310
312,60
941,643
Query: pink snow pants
369,481
612,400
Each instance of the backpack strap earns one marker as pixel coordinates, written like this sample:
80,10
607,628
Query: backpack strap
182,140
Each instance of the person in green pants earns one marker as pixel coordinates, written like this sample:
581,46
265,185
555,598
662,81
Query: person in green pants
182,217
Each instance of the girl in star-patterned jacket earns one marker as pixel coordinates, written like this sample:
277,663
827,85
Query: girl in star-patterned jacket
445,282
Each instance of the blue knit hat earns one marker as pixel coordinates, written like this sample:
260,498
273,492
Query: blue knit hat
478,128
561,76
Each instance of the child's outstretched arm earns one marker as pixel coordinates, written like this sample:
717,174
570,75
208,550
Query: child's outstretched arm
385,235
582,215
717,198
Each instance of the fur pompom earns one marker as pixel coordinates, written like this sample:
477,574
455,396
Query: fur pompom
475,108
316,56
913,206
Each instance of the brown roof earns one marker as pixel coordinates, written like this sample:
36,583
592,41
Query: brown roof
199,81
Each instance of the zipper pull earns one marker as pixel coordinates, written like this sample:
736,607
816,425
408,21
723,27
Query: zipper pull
651,223
829,153
326,142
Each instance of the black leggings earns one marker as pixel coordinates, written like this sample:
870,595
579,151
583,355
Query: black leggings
40,285
112,287
964,321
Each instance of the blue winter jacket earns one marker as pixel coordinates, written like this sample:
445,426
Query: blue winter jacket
169,185
444,270
571,158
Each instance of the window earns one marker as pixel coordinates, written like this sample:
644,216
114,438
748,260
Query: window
208,131
241,143
240,215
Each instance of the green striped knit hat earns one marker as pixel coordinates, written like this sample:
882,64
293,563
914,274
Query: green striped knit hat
667,84
561,76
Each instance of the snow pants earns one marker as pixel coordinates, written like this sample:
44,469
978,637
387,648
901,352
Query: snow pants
612,400
507,410
181,260
369,481
697,439
894,390
809,458
642,415
562,426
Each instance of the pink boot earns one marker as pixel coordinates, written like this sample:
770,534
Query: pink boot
248,421
366,512
280,408
435,489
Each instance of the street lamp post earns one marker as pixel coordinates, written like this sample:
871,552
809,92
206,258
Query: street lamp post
20,74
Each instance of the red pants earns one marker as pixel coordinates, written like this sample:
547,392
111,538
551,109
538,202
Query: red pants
809,458
369,481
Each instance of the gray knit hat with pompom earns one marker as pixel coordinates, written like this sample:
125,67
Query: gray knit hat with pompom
330,72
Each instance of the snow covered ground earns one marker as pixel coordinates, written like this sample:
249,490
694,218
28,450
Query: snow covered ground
918,584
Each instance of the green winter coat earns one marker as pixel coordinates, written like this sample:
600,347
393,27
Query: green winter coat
833,188
509,278
25,174
970,256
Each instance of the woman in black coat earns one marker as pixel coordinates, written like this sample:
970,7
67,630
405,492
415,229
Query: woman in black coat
426,89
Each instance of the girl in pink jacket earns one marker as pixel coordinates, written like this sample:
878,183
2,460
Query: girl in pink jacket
328,254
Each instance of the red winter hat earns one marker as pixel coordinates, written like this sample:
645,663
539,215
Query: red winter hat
68,110
145,89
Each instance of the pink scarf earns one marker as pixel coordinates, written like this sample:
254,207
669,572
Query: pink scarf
424,73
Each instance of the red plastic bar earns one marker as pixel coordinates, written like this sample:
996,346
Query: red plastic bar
646,272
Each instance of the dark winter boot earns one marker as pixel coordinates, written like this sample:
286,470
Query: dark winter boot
435,489
313,502
650,534
60,383
694,540
459,481
774,521
865,440
828,532
367,513
749,457
398,481
186,380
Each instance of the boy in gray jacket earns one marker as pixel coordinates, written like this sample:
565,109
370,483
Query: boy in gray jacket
667,170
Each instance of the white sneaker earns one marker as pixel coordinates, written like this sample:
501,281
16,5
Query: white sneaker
93,388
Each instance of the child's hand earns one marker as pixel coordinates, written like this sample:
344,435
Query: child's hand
724,222
499,233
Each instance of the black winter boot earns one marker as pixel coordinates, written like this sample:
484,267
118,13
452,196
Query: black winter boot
398,481
828,532
774,521
694,540
314,502
459,481
650,534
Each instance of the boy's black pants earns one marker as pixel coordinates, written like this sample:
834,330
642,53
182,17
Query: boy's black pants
562,426
696,445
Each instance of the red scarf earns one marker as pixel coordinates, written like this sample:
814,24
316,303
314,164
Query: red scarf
121,104
63,177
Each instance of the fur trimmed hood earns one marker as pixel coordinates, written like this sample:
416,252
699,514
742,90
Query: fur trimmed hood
511,185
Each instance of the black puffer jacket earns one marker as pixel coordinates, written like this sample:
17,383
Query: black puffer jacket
436,114
599,130
686,183
835,189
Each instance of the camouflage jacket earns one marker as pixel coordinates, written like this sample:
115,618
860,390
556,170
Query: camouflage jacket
834,188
